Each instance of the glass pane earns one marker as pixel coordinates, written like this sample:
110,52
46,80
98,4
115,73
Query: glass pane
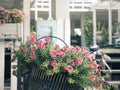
10,4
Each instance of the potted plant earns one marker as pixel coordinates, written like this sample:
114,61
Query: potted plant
76,62
10,20
11,16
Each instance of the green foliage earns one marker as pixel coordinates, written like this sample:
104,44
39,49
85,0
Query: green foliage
102,34
108,86
88,27
32,26
76,62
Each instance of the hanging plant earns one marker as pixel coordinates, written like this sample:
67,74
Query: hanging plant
11,16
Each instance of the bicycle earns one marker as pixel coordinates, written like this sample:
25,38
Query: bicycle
103,57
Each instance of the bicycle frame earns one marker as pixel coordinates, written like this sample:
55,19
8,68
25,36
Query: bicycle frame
103,56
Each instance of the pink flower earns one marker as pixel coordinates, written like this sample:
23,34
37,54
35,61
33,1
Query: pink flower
53,63
74,50
69,69
83,49
47,39
60,53
32,38
78,48
33,48
95,64
92,78
98,86
66,48
32,56
72,62
25,49
31,42
99,72
78,62
53,53
102,81
41,44
91,66
87,53
57,47
90,59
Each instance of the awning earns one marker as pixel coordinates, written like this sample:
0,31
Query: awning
106,5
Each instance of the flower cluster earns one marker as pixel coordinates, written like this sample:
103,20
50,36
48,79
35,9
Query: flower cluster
78,63
11,16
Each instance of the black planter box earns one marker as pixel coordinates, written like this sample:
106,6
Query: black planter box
37,80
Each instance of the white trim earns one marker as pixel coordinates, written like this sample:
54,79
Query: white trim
106,4
110,22
67,31
94,27
2,61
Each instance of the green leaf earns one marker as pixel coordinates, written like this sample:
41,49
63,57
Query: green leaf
70,80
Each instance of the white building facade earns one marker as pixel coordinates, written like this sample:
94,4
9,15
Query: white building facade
103,11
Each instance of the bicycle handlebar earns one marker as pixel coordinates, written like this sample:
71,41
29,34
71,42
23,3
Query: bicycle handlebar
104,56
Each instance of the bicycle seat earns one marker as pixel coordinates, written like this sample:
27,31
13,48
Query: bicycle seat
94,48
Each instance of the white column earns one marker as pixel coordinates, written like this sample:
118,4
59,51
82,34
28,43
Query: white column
118,15
63,20
94,27
36,11
13,78
50,10
67,31
2,63
60,30
110,23
26,24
